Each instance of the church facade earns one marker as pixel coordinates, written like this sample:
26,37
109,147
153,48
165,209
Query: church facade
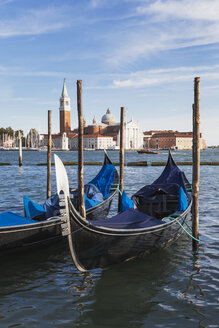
103,135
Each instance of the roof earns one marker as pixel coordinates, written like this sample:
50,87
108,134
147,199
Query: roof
108,117
64,91
168,134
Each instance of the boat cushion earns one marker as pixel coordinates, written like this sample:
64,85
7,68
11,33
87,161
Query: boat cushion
129,219
11,219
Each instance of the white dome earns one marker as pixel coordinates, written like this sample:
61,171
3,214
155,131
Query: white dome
108,117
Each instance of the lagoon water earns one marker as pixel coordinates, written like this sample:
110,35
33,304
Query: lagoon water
171,288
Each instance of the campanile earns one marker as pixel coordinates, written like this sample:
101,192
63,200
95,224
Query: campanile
65,111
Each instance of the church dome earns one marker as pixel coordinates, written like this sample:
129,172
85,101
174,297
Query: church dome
108,118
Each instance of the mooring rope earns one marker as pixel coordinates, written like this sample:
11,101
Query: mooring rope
175,217
117,188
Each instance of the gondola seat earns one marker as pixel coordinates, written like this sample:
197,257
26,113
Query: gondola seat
160,200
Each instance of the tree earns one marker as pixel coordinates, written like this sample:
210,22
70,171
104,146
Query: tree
9,131
17,133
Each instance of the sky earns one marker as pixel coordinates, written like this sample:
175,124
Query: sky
140,54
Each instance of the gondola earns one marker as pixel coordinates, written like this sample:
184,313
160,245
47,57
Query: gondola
99,193
160,212
44,225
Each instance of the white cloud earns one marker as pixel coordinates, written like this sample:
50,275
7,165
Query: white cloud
20,71
5,2
141,79
103,3
183,9
97,3
147,40
34,22
161,26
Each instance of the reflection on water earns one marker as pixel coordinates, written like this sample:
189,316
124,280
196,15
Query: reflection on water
171,288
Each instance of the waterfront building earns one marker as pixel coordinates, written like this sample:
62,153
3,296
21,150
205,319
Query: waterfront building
93,141
8,141
64,111
103,135
170,140
133,137
108,118
61,139
107,134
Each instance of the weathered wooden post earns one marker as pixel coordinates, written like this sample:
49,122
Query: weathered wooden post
196,162
121,156
80,151
20,148
49,147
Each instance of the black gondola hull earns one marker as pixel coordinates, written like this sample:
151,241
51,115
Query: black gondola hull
18,238
101,210
21,237
100,247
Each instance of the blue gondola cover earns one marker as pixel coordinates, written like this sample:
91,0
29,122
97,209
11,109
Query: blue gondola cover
183,202
104,179
11,219
126,202
129,219
32,209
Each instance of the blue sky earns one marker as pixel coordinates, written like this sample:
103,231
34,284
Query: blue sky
140,54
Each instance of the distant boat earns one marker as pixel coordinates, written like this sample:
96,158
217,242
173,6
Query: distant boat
147,151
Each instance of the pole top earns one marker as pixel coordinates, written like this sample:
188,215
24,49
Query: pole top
197,79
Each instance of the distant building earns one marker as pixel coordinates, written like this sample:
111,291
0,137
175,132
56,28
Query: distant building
7,141
108,118
170,140
94,141
65,111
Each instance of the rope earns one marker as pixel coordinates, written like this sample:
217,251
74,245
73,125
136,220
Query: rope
175,217
179,216
117,190
116,184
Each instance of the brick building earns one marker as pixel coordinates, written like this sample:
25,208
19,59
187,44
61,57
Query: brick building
170,140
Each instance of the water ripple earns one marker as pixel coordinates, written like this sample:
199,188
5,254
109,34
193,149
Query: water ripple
175,287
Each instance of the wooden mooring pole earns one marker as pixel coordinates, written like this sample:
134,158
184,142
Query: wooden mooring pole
49,148
196,162
121,156
20,148
80,151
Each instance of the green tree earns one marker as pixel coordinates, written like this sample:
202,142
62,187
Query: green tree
2,131
17,133
9,131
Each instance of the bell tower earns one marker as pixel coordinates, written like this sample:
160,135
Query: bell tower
64,111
